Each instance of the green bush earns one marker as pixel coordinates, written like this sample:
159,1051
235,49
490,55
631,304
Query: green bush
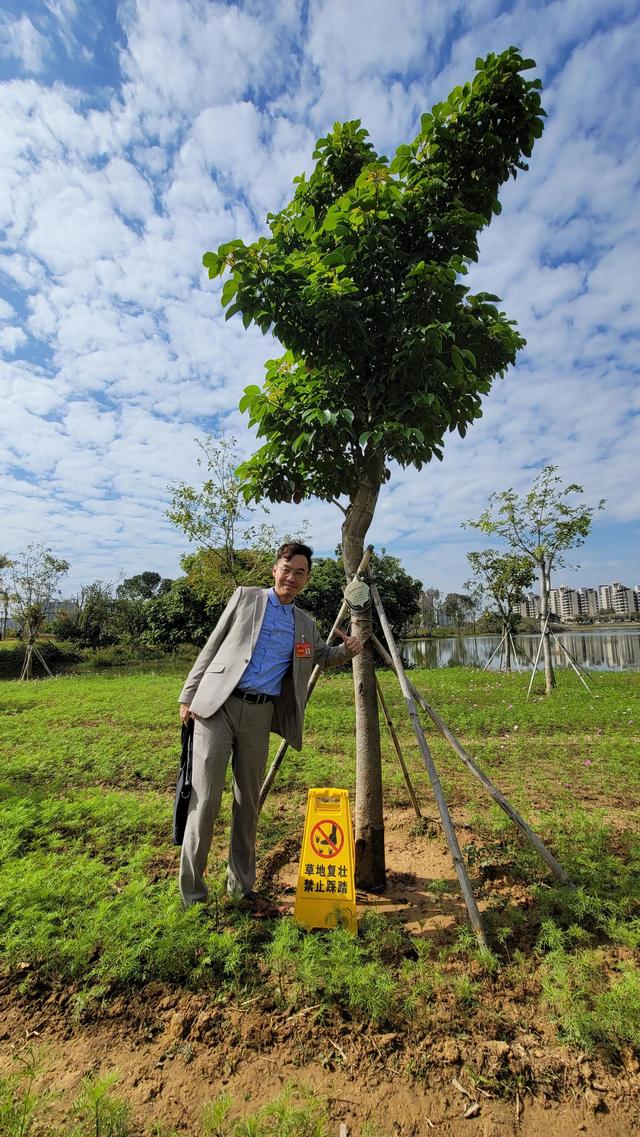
56,655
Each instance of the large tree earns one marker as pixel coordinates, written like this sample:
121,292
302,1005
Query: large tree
88,618
504,578
543,524
459,608
143,586
386,349
429,608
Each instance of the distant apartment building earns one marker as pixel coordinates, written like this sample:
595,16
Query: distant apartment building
588,602
530,606
563,603
571,603
617,598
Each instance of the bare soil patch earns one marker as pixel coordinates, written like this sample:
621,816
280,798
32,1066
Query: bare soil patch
175,1049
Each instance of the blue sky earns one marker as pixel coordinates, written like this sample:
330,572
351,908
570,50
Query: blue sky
137,135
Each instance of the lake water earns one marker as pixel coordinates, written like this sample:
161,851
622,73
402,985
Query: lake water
597,649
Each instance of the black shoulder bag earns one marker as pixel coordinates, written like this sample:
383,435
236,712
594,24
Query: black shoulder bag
183,785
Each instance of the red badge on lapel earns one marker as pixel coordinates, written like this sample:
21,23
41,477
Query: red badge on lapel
303,650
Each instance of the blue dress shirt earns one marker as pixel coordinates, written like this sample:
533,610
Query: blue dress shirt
273,652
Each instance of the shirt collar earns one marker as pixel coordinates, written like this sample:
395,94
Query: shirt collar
273,599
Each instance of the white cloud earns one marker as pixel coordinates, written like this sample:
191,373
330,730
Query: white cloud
7,311
11,338
109,199
21,41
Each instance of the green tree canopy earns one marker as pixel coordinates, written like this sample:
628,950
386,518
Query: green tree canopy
459,607
88,618
361,280
180,616
143,586
387,350
504,579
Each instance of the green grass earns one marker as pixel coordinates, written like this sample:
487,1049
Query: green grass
98,1111
88,889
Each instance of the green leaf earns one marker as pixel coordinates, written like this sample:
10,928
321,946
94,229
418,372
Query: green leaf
364,438
332,259
229,290
457,358
232,311
298,442
249,397
229,246
213,262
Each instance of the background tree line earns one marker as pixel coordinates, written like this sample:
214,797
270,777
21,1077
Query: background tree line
148,611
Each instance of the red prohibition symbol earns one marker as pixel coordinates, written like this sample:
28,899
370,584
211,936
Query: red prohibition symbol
327,839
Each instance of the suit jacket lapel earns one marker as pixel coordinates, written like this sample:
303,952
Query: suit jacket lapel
259,610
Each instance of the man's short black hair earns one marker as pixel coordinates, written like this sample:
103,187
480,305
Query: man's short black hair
294,549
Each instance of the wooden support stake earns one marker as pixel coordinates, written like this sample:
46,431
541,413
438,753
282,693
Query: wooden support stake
447,823
495,793
315,674
495,651
515,653
43,661
535,662
396,743
571,661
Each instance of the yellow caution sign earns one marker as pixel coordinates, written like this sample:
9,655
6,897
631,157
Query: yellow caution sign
326,893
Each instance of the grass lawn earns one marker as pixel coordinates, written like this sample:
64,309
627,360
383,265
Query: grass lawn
88,893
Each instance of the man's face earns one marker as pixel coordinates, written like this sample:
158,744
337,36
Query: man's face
290,577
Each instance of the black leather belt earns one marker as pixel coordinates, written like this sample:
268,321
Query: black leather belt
250,696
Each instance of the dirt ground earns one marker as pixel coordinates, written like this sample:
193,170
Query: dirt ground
176,1050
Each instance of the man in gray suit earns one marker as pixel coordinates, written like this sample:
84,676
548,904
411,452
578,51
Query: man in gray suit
249,679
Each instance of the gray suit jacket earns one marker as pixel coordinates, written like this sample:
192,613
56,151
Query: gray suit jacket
223,659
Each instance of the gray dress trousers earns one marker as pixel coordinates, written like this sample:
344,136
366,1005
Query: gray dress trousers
239,730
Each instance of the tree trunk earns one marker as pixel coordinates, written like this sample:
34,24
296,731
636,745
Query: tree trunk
369,824
506,632
549,676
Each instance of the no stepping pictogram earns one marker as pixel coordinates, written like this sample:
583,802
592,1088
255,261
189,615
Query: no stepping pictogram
327,839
